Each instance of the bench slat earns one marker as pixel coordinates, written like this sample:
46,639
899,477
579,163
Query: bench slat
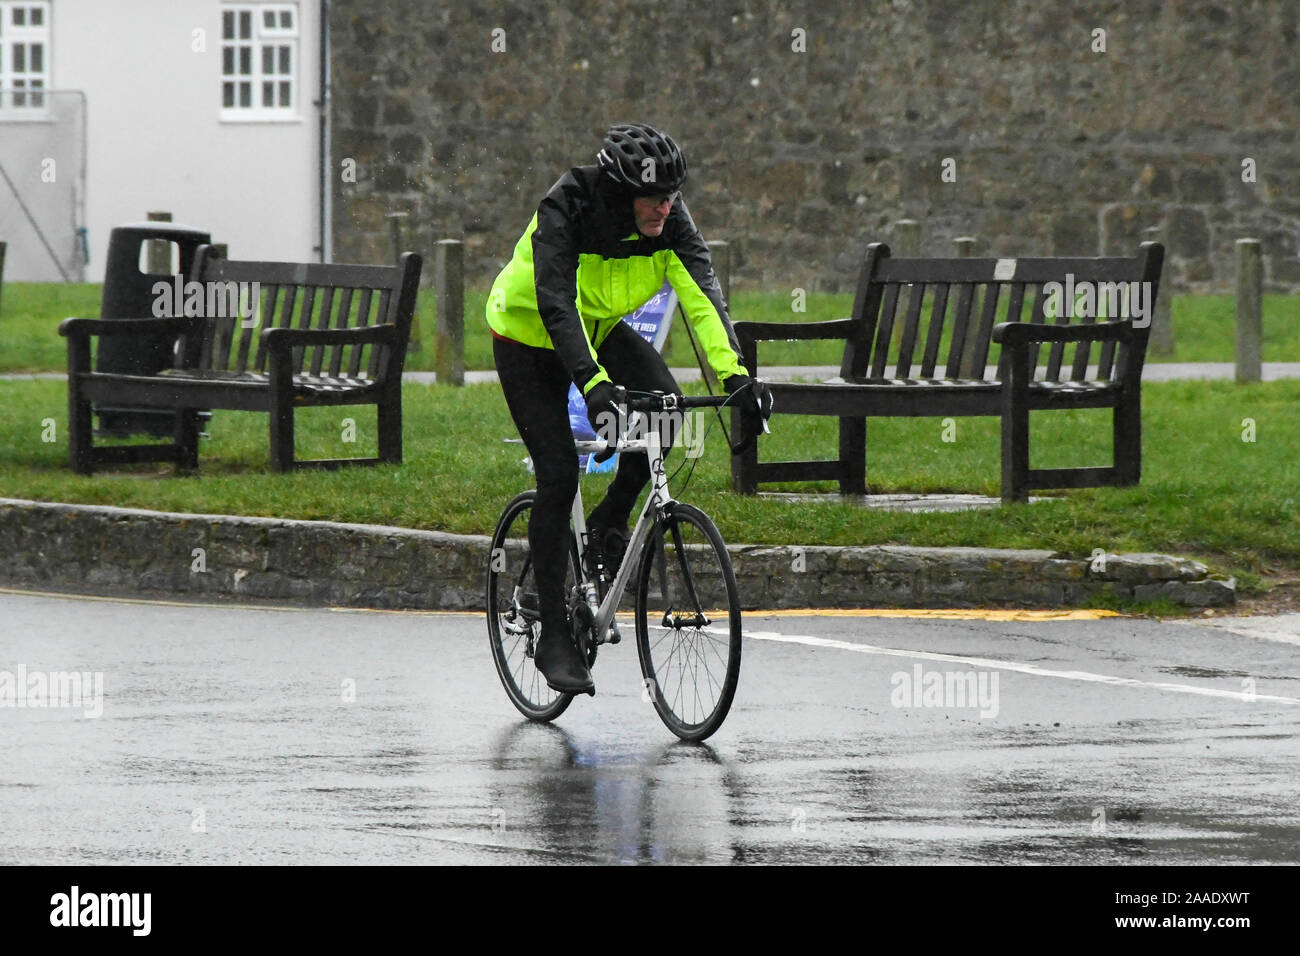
304,322
935,333
1082,352
1015,305
884,330
1037,317
363,318
980,354
910,323
261,308
305,274
341,322
378,352
1027,269
327,302
960,323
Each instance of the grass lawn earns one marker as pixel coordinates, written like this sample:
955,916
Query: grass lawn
1205,492
1203,327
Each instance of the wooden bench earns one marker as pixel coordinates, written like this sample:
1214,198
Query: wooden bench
951,375
291,355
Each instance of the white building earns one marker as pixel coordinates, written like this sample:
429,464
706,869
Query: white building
110,109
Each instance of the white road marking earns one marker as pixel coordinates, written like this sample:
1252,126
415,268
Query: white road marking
1015,666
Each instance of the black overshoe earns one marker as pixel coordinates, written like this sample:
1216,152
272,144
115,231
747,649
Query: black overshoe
558,659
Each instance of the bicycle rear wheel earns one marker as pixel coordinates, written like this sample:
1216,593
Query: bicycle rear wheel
514,625
688,623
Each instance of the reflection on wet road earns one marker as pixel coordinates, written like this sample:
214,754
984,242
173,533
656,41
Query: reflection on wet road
267,735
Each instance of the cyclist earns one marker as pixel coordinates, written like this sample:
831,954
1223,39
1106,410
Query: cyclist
601,243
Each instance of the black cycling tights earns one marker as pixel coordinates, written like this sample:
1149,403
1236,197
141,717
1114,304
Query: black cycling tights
536,388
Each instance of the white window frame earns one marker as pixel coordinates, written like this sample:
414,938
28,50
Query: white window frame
277,42
36,87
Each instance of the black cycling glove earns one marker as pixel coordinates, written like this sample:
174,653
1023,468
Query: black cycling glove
602,411
754,399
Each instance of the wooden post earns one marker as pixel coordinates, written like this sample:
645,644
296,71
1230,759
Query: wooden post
3,246
1162,327
397,223
449,286
1250,323
159,257
964,246
720,253
907,238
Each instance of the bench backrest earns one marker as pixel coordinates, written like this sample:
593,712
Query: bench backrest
300,296
934,318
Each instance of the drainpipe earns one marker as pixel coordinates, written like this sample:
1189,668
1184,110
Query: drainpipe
323,102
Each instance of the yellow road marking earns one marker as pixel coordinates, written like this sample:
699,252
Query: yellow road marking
949,614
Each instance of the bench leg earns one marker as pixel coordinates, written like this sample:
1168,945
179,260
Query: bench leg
390,428
1127,439
853,456
186,437
280,367
281,436
744,467
81,433
1015,448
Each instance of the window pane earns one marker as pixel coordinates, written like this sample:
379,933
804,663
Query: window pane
19,58
38,57
284,95
245,60
227,61
38,16
228,25
268,94
268,60
19,16
227,94
245,24
284,61
268,19
286,19
245,94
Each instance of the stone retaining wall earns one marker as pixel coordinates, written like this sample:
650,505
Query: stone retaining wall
123,550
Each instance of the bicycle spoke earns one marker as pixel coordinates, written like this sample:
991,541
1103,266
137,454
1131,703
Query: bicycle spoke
694,665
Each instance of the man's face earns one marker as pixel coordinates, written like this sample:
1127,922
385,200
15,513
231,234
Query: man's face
651,212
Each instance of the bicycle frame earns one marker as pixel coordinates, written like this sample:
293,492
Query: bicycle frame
657,500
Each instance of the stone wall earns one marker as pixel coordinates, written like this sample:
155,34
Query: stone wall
800,158
131,551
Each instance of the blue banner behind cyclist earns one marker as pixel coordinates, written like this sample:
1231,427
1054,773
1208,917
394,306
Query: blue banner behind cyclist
651,322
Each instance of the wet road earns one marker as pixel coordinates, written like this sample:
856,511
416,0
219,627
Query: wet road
266,735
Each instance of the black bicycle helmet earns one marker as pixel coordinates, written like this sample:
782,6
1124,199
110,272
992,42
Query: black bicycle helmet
642,160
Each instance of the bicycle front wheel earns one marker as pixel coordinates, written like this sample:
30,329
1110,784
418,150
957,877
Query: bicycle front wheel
688,623
514,625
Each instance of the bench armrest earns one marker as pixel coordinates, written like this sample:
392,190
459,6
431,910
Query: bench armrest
1015,333
791,331
81,328
277,340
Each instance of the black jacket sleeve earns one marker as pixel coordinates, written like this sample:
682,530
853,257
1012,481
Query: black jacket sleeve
555,277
